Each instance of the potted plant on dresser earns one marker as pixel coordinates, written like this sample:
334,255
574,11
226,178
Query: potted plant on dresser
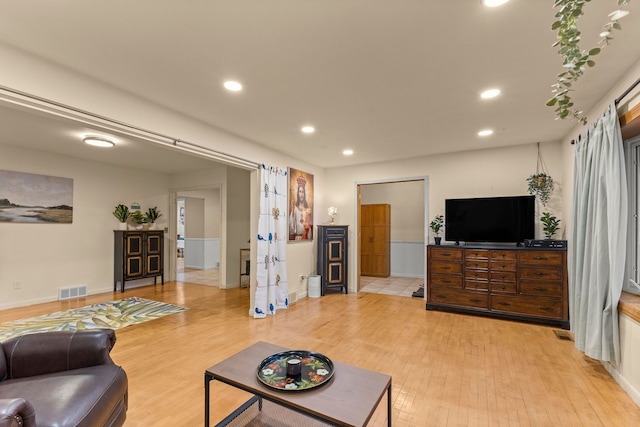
138,218
436,225
123,214
151,216
551,224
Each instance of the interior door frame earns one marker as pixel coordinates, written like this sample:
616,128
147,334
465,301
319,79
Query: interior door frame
358,218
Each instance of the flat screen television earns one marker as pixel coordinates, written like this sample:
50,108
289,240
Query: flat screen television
490,219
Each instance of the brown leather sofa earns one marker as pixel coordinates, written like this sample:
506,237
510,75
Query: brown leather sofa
61,379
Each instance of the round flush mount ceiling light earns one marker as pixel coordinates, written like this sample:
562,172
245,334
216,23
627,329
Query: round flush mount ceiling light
233,86
494,3
98,141
485,132
490,93
308,129
347,152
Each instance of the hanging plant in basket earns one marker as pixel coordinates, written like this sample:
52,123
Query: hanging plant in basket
540,183
541,186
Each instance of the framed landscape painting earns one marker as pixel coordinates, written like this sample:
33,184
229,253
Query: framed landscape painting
31,198
300,205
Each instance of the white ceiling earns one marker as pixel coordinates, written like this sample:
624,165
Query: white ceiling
388,79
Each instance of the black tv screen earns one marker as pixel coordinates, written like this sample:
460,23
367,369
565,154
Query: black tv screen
490,219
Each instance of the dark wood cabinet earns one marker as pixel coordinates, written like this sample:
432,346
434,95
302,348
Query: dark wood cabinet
332,257
518,283
137,255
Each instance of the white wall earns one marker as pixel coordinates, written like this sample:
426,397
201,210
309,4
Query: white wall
238,222
212,210
480,173
45,257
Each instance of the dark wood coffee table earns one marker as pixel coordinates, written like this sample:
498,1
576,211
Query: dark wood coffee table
348,399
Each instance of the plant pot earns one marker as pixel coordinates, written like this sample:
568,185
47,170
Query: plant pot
153,226
438,240
122,226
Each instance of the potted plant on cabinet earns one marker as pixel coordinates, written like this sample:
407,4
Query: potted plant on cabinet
151,216
138,218
436,225
123,214
551,224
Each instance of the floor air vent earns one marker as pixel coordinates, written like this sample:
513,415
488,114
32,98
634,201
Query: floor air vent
563,335
76,292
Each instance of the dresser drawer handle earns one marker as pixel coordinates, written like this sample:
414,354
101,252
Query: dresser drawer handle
441,296
445,268
506,304
446,254
546,308
538,273
540,289
539,258
475,300
446,281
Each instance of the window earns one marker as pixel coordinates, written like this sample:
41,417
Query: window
632,147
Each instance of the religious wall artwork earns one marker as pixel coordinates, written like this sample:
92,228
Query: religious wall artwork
31,198
300,205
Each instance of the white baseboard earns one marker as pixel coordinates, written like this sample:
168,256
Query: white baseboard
50,298
626,386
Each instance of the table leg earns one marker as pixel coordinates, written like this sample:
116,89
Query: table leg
207,380
389,405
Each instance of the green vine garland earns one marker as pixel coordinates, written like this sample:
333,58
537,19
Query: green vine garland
574,60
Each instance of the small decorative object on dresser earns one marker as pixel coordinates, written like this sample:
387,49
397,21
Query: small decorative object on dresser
436,225
333,211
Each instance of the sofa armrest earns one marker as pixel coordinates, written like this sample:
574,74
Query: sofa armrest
48,352
16,413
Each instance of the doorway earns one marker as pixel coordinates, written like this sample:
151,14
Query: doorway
408,205
198,225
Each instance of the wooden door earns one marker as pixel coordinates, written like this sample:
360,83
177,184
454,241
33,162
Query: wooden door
375,250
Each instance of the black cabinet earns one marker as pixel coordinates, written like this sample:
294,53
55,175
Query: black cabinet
137,255
332,257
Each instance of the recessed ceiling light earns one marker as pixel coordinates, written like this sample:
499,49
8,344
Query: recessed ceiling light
347,152
98,141
490,93
233,86
308,129
485,132
494,3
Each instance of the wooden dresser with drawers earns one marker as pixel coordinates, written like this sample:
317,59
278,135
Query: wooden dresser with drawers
517,283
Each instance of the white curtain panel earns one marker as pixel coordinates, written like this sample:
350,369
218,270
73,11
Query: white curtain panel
272,289
598,234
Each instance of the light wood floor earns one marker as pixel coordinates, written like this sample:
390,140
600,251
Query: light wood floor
447,369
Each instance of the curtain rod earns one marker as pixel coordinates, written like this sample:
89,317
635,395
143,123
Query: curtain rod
211,153
617,101
626,92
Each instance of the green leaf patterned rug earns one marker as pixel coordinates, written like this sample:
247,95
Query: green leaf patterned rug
113,315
